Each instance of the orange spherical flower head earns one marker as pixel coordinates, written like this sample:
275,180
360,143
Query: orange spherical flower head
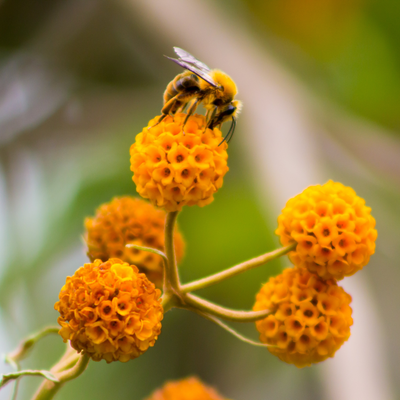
175,166
186,389
129,220
110,311
333,228
310,318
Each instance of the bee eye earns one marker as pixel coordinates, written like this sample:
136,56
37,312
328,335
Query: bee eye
230,109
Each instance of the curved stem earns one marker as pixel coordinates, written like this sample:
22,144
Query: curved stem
48,389
149,249
237,269
196,303
171,277
76,370
23,348
231,330
68,360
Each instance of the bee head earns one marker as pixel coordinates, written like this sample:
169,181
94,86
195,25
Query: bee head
238,106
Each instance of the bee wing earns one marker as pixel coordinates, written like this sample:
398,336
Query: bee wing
188,58
202,74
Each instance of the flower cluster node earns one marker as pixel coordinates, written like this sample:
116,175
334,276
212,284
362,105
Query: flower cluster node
174,166
333,229
110,311
310,318
185,389
128,220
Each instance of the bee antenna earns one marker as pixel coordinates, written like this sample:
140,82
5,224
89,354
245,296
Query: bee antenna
233,126
229,135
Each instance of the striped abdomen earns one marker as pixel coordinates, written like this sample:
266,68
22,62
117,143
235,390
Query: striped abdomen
186,82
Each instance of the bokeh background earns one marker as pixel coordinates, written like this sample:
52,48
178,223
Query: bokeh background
320,82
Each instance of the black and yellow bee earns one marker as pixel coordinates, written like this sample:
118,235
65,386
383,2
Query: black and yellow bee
200,84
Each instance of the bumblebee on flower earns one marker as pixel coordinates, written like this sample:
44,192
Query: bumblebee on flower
112,307
173,167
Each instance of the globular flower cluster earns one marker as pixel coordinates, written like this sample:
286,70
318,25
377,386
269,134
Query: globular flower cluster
333,229
175,166
128,220
310,318
186,389
109,311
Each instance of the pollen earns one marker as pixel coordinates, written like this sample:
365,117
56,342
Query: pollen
307,331
117,323
174,166
129,220
332,227
186,389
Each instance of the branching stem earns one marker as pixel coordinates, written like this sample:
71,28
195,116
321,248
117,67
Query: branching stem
231,330
47,390
194,302
237,269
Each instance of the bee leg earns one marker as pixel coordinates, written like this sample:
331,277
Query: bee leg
159,120
165,111
211,118
170,107
190,111
207,117
181,109
230,133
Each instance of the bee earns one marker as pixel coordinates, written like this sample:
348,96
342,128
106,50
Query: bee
201,85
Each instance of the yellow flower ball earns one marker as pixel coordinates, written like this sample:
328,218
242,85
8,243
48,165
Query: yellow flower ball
185,389
110,311
333,229
173,168
310,318
128,220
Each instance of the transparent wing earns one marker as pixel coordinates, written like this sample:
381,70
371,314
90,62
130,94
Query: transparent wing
188,58
203,75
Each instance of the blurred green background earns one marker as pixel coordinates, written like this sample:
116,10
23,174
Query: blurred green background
320,81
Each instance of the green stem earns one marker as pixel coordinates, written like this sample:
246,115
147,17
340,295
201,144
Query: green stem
231,330
192,302
171,277
148,249
15,390
237,269
23,348
170,300
48,389
67,361
76,370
